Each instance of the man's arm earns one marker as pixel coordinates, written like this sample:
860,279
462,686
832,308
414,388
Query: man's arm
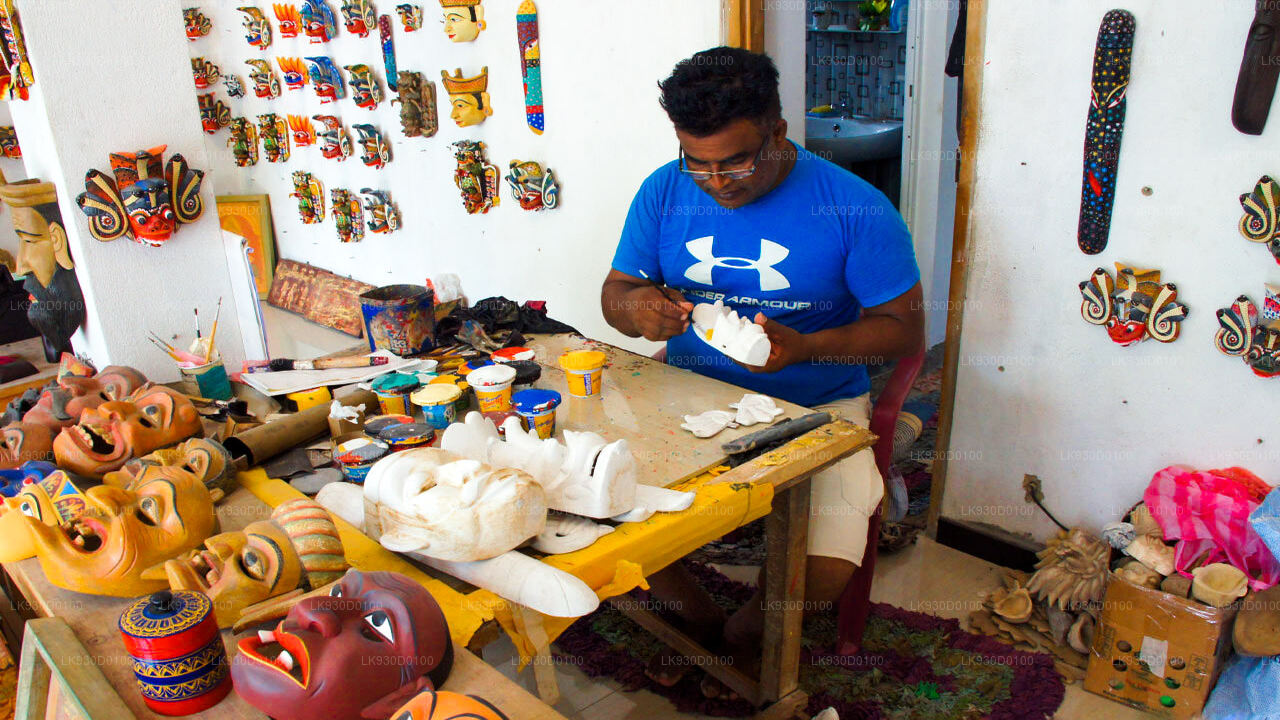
635,308
883,333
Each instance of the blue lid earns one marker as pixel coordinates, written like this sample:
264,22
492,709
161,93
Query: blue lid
535,400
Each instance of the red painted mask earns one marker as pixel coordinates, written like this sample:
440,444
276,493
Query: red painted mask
23,441
115,432
61,406
1126,332
333,656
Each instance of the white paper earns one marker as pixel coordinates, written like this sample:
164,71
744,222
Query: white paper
287,381
1155,653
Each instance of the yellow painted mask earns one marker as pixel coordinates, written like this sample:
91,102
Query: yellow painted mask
53,500
463,19
468,97
125,531
114,433
297,548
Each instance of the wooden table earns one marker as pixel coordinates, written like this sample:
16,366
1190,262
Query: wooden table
93,619
31,350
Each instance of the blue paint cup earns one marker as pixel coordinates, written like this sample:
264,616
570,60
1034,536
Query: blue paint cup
537,410
399,318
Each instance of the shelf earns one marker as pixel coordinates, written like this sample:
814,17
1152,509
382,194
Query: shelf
843,29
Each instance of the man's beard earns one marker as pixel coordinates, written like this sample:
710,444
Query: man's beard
57,311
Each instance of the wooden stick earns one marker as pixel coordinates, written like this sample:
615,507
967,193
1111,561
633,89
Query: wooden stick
208,351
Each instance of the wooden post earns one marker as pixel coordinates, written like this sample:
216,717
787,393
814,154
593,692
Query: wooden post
744,24
544,669
51,651
786,541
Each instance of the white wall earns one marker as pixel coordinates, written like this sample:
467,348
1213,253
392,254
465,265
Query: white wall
1041,391
112,76
605,133
13,172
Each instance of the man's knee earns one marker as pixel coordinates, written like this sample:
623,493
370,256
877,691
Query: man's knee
825,578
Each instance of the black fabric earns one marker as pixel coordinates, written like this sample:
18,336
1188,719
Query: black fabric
503,320
14,325
955,55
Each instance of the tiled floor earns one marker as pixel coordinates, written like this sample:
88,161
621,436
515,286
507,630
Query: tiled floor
926,577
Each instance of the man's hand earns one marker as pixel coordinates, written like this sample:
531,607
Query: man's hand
654,316
788,346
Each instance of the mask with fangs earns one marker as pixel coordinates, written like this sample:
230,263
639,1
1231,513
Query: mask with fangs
115,432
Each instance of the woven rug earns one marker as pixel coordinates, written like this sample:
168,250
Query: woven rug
911,666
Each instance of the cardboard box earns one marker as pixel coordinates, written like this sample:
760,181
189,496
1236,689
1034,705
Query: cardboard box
1156,651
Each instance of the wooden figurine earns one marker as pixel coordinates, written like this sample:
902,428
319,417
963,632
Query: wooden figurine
13,51
410,16
475,176
266,84
1133,306
61,405
214,114
383,215
235,88
205,72
365,90
257,29
385,640
1246,335
9,142
275,137
533,188
243,142
1261,220
1256,84
463,19
318,21
327,79
358,17
376,150
57,304
468,96
105,439
141,200
347,215
417,98
289,19
1104,129
197,24
303,133
294,72
310,194
531,65
388,51
335,143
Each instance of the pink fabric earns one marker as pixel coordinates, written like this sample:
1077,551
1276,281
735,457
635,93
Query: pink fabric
1208,514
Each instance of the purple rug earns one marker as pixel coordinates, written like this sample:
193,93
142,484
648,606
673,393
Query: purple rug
912,665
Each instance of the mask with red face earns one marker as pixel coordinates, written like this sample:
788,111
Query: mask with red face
368,646
142,198
61,405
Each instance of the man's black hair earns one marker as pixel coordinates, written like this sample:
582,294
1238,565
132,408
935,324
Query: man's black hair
713,88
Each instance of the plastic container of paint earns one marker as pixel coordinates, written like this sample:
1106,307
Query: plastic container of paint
527,372
463,403
378,423
393,391
407,435
506,355
537,410
399,318
438,403
492,384
357,455
584,370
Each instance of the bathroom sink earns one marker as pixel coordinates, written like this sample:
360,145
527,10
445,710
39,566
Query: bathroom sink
848,140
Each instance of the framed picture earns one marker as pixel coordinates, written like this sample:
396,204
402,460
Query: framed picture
249,216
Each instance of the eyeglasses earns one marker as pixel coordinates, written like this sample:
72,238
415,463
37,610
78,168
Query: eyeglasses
704,175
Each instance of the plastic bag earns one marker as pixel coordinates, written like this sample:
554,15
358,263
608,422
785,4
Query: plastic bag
1246,690
1208,514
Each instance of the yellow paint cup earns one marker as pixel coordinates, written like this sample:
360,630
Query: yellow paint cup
492,384
584,370
311,398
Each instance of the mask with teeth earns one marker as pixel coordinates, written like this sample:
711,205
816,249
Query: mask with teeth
373,642
122,532
444,704
52,500
206,459
22,442
115,432
61,405
297,548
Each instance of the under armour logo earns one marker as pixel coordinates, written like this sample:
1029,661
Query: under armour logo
771,253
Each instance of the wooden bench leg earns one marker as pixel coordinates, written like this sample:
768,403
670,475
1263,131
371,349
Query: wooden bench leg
544,668
786,545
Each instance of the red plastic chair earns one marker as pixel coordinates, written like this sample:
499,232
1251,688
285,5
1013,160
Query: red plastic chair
855,601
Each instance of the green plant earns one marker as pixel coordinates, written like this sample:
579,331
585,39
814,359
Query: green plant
873,14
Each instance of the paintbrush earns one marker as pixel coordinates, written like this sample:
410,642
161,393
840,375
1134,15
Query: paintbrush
661,288
197,314
280,364
165,350
208,351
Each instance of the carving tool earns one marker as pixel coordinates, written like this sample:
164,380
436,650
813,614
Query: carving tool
281,364
530,64
208,351
776,433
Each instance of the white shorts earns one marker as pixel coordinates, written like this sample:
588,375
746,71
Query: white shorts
843,497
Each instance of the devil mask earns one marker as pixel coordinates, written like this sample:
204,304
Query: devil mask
445,705
297,548
115,432
140,198
61,405
124,532
23,442
375,640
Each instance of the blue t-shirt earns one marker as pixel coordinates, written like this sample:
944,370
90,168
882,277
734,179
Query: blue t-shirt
810,254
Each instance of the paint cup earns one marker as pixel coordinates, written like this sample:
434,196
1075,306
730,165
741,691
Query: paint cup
438,402
399,318
357,455
509,354
305,399
393,391
210,380
492,384
537,410
463,404
378,423
407,435
527,372
584,370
